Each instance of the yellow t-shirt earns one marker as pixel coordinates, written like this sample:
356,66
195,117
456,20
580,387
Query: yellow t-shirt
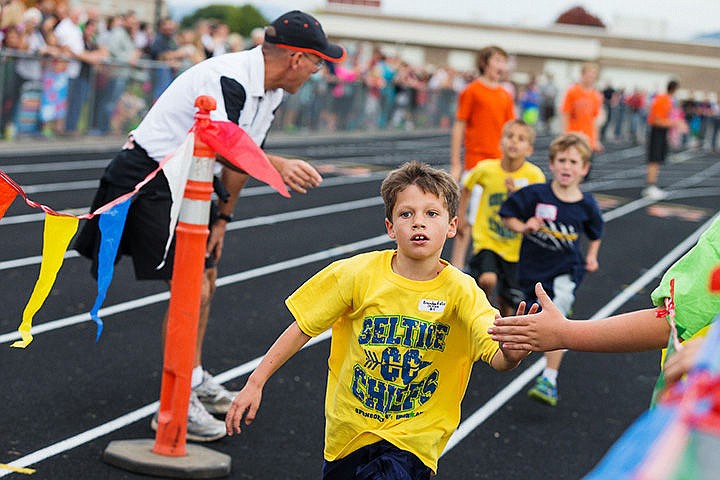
401,352
488,231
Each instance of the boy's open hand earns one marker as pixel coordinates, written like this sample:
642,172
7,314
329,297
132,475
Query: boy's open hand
246,404
515,355
538,332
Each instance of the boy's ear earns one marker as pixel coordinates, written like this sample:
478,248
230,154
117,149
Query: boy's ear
452,231
390,229
586,169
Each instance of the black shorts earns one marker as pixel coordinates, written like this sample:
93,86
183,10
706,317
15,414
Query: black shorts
372,461
148,221
507,285
657,148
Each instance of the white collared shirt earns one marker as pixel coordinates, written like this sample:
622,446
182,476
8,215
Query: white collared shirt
166,125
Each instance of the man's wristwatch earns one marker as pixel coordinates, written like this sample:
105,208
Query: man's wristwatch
224,216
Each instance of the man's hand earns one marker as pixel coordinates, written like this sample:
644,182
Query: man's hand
297,174
216,240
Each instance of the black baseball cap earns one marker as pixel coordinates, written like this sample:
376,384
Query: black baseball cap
297,30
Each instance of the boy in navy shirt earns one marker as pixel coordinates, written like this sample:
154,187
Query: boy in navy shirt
552,216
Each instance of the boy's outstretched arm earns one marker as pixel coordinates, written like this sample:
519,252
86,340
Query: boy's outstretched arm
247,401
549,330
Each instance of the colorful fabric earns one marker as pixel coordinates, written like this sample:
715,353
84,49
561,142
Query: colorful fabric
230,142
401,352
695,307
678,439
111,224
59,230
53,103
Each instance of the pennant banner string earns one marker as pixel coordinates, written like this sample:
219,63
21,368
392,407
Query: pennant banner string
225,138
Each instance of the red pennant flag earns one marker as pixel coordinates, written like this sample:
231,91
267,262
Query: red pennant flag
231,142
7,195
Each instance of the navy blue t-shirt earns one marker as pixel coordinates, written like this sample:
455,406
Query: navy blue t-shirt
555,248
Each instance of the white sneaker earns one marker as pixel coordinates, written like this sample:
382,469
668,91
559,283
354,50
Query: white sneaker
216,398
201,426
654,193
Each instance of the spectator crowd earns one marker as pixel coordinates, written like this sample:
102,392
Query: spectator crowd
67,70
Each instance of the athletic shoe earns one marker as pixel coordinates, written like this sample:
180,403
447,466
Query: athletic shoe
216,398
654,193
544,391
201,427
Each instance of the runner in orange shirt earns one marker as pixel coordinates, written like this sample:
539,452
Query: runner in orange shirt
582,105
660,121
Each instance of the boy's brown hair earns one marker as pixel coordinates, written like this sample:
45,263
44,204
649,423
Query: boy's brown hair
428,179
577,140
522,123
483,56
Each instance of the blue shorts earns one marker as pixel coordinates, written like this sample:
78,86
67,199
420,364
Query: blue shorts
378,461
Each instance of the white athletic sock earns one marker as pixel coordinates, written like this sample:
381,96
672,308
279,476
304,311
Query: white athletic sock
197,376
551,375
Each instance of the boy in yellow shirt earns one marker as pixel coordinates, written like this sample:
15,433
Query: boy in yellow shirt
406,330
496,248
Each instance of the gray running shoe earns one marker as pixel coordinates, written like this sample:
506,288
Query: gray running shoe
201,427
216,398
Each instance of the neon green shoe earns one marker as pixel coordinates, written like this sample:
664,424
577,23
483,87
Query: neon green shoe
544,391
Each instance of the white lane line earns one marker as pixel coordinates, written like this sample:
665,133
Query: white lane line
56,166
502,397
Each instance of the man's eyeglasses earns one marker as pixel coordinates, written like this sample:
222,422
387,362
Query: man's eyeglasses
317,65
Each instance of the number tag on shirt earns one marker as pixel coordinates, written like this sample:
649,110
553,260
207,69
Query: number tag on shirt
521,183
432,305
546,211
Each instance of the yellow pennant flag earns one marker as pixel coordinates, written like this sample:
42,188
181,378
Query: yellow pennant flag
59,230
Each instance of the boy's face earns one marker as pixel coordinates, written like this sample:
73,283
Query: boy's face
420,224
589,76
516,143
568,168
496,67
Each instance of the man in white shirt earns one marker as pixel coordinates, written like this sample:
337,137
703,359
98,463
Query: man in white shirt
248,87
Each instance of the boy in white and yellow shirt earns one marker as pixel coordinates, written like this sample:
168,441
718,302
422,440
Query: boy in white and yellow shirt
496,248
